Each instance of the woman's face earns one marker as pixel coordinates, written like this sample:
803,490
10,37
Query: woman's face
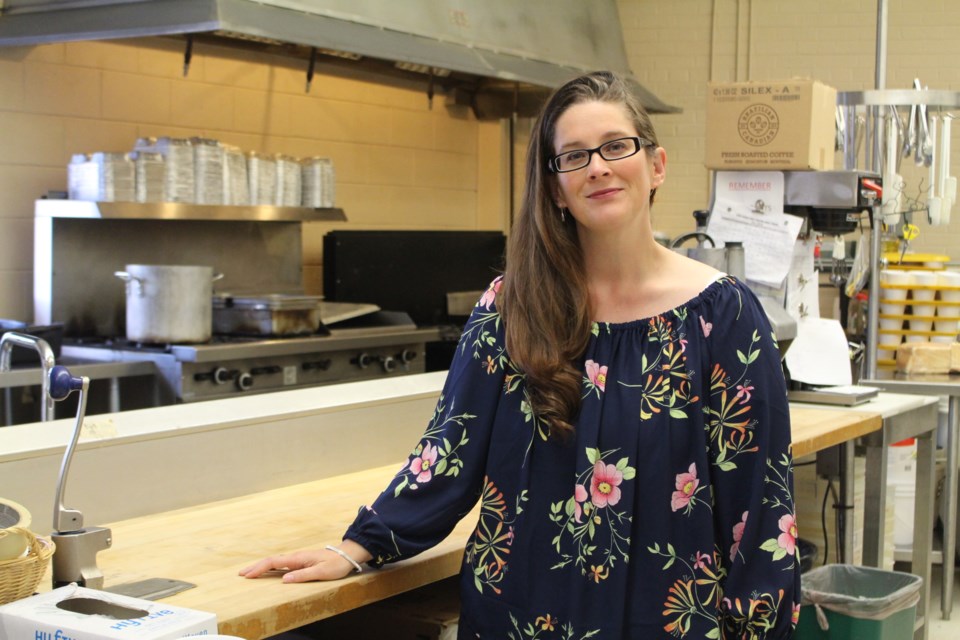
605,195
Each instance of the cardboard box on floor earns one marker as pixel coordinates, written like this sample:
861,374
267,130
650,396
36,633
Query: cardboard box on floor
428,613
771,126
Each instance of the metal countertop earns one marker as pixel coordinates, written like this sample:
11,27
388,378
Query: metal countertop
22,376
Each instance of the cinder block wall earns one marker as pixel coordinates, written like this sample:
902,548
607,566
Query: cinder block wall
675,48
399,164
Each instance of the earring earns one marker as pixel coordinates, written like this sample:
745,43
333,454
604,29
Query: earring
563,211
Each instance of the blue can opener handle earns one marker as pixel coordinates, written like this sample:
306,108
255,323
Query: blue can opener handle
62,383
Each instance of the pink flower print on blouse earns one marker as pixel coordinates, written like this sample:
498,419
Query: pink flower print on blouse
490,295
579,497
605,486
737,535
422,466
788,539
706,326
743,392
702,560
597,374
687,484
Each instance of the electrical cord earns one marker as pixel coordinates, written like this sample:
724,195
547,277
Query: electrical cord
838,522
823,523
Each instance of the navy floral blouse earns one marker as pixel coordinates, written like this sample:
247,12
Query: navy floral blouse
670,512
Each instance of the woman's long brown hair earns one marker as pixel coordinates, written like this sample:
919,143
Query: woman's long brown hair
543,298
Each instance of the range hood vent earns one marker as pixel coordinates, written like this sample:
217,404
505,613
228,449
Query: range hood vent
497,56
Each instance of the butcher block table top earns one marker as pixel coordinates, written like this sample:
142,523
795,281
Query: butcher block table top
209,543
817,429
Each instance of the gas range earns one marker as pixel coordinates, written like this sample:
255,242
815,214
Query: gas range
231,365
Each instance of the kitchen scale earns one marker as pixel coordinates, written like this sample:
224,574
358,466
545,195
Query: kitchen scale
849,395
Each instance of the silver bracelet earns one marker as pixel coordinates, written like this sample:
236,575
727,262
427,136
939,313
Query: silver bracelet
343,554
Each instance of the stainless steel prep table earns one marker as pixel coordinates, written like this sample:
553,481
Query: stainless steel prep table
936,385
112,371
904,416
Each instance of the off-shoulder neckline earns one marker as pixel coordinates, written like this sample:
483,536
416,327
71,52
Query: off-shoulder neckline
708,292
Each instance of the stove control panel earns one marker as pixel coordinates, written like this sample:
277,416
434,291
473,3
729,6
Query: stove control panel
272,373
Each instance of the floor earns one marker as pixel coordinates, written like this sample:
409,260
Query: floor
943,629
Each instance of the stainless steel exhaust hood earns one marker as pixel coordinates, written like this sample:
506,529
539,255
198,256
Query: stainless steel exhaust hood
497,56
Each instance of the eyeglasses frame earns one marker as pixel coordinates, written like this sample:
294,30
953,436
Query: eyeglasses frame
640,142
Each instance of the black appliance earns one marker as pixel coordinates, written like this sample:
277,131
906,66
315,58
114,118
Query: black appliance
411,271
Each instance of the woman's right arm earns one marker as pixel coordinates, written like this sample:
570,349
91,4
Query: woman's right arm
313,564
443,476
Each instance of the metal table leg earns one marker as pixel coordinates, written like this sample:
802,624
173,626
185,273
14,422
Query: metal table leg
847,495
950,496
8,406
922,525
875,500
114,395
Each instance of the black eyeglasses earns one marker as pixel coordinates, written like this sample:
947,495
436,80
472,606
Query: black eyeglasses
613,150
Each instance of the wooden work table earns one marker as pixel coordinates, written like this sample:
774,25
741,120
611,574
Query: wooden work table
208,544
818,429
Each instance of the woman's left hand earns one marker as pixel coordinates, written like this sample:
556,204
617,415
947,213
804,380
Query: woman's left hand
314,564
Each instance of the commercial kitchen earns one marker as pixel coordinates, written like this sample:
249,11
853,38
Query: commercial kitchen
314,195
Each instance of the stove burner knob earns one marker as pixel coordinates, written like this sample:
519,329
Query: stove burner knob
389,363
363,360
223,376
244,381
408,355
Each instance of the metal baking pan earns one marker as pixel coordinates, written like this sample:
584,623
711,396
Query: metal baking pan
267,315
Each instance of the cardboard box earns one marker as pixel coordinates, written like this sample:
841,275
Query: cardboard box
789,124
78,613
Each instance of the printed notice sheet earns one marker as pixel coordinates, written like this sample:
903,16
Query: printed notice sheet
748,208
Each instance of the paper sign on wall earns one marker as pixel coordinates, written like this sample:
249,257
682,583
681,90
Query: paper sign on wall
748,208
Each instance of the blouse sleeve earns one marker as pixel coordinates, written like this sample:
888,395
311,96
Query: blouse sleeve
748,427
442,477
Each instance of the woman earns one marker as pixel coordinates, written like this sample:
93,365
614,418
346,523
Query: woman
619,411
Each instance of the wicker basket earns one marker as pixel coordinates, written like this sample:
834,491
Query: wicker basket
19,577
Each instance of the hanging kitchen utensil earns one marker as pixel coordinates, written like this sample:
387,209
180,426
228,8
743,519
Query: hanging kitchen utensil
841,129
860,269
891,180
947,184
924,151
933,200
900,133
909,140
